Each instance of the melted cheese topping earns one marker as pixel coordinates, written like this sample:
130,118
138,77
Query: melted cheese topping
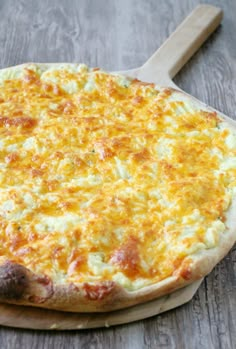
107,178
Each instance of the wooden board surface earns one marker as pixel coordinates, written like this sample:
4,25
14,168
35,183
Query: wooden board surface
36,318
55,32
160,68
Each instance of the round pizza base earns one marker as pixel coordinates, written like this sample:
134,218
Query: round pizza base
44,319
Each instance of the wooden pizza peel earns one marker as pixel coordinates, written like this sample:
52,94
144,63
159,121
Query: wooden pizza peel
160,69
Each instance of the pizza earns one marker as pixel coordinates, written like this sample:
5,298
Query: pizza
113,191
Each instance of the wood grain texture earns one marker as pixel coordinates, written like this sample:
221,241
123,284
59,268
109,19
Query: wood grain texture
118,35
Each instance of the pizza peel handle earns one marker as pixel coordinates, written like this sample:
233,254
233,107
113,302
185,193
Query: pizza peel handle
166,62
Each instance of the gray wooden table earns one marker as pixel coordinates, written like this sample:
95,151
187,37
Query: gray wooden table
118,35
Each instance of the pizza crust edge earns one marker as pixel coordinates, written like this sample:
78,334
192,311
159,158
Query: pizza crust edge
20,286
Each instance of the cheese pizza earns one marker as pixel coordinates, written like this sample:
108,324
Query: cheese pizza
113,191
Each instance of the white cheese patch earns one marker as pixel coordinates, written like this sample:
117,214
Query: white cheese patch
70,67
119,232
169,223
121,117
212,234
181,247
152,125
155,193
90,85
223,126
195,216
82,68
3,166
12,211
188,232
164,202
228,163
51,198
29,200
210,238
121,169
164,148
217,152
189,106
171,124
179,110
65,164
96,264
8,206
58,224
192,133
231,141
12,147
140,283
53,106
2,144
30,144
122,280
49,78
89,181
70,87
11,73
123,81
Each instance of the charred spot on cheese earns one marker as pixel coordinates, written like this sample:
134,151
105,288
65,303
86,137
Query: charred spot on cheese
13,281
104,178
127,257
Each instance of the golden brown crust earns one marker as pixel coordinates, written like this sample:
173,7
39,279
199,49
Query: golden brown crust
101,297
18,285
